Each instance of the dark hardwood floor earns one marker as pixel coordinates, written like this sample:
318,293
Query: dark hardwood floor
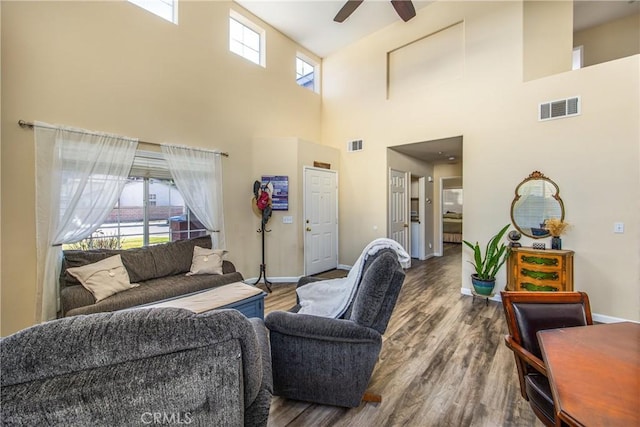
443,360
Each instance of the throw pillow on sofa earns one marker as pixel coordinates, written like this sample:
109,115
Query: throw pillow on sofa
103,278
206,261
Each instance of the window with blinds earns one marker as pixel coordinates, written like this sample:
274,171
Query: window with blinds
149,211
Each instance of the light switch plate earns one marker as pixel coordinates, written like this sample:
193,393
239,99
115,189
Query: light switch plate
287,219
618,227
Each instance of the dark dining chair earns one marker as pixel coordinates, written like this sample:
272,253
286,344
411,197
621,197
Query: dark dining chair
530,312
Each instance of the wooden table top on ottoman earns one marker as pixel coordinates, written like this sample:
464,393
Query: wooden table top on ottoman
247,299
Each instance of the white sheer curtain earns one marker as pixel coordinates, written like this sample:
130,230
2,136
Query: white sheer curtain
80,175
198,176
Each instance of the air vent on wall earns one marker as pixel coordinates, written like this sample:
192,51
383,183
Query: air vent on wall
561,108
355,145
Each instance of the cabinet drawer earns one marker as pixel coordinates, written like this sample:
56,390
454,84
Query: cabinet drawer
540,270
541,261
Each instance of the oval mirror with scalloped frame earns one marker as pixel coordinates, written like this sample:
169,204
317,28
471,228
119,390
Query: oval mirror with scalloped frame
537,199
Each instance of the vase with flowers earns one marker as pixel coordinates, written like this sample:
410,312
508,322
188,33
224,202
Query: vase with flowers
556,227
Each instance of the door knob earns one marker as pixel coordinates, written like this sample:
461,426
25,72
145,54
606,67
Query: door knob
308,228
405,225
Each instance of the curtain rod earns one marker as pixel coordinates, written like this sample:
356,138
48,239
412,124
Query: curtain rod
23,124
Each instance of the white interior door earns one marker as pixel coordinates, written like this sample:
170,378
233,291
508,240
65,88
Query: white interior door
321,220
398,208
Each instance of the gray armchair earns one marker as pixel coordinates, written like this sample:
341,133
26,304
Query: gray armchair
138,367
330,361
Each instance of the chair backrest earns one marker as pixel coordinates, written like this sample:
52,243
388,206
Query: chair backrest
378,291
207,365
530,312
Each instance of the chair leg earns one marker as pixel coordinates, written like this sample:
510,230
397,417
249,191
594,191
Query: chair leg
371,397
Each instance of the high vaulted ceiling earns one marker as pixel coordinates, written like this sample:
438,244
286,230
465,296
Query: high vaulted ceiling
310,22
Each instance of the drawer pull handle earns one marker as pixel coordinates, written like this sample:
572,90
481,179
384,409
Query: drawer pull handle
532,287
539,260
540,275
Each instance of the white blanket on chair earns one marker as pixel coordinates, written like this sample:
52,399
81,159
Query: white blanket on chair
331,298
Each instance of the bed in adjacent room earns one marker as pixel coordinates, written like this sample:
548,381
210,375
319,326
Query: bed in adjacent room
452,227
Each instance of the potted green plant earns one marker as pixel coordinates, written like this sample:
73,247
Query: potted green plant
487,265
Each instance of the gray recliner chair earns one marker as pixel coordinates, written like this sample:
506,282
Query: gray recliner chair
138,367
330,361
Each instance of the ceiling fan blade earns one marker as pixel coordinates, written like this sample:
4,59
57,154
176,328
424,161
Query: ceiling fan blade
347,10
404,8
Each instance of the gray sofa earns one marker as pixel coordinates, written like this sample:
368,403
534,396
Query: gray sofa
160,271
138,367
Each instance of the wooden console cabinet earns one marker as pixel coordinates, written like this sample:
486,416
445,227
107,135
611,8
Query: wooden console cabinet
531,269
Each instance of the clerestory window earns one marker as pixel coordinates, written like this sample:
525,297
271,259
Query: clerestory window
246,39
167,9
307,73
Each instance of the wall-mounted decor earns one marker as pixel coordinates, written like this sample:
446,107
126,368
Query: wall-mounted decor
280,196
321,165
537,199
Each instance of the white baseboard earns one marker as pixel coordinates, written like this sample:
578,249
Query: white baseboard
600,318
467,291
252,280
344,267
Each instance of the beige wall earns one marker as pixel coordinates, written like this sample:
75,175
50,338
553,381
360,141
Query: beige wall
284,243
609,41
593,157
547,35
111,66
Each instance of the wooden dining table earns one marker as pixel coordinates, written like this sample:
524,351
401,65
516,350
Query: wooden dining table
594,372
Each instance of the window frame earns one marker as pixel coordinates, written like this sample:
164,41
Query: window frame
250,25
147,5
147,166
316,71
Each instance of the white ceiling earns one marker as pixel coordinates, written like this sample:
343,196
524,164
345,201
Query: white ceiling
446,150
310,22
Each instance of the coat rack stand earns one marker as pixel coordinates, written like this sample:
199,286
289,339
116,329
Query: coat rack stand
263,266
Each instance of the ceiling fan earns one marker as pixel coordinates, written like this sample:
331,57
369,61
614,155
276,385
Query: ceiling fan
404,8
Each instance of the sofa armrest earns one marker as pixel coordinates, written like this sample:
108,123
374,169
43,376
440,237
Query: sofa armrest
263,344
320,328
75,296
228,267
257,412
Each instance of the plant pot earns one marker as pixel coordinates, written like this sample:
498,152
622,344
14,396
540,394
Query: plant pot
482,287
556,243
